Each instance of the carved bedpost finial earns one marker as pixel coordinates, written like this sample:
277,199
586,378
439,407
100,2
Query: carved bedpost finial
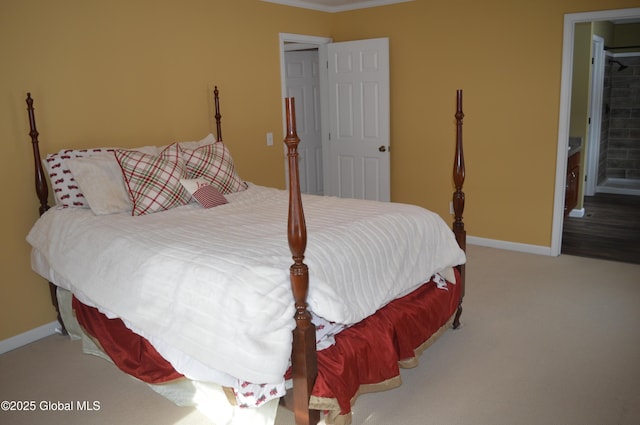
32,119
217,115
41,183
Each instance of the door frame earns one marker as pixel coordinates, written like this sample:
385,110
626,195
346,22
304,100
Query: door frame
313,42
570,20
595,115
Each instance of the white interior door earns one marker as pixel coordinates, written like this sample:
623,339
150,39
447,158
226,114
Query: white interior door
595,115
353,94
358,159
303,84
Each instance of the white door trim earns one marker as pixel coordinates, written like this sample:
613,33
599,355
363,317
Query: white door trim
595,115
570,20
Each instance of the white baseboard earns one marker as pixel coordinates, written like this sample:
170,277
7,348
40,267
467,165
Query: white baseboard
509,246
29,337
578,213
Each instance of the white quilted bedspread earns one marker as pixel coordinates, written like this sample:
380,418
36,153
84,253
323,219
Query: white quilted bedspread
215,283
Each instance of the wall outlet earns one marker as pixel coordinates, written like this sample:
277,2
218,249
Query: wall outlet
451,208
269,139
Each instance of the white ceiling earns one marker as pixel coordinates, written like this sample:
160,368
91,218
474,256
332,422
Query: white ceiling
335,5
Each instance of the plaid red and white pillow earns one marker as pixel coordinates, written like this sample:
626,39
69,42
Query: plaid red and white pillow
213,162
154,181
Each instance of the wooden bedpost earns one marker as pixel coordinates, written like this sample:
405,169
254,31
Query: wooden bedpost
41,182
217,115
42,191
458,198
304,366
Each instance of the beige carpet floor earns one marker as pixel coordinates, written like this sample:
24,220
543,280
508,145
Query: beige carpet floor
545,340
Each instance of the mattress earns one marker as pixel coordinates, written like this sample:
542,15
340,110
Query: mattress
213,284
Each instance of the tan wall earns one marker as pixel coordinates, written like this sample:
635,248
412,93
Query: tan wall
130,73
605,29
138,72
627,35
507,57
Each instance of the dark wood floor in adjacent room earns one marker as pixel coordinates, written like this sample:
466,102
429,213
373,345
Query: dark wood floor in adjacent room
610,229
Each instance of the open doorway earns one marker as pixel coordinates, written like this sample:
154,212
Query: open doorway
301,78
347,104
570,22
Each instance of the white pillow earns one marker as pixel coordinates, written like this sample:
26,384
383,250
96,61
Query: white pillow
100,180
208,140
190,145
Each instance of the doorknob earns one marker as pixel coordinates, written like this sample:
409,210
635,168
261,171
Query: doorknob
382,148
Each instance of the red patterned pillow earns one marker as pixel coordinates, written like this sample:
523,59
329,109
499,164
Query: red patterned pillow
154,181
214,163
64,186
207,195
63,182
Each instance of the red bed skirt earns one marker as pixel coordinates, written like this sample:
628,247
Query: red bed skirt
366,353
369,352
132,353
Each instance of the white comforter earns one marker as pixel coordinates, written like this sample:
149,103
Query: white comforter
215,283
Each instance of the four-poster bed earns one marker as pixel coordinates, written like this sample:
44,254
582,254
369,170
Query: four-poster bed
431,307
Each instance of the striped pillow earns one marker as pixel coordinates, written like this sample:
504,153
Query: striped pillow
154,181
214,163
203,192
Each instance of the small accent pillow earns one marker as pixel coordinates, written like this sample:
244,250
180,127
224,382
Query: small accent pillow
207,195
213,162
154,181
101,181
